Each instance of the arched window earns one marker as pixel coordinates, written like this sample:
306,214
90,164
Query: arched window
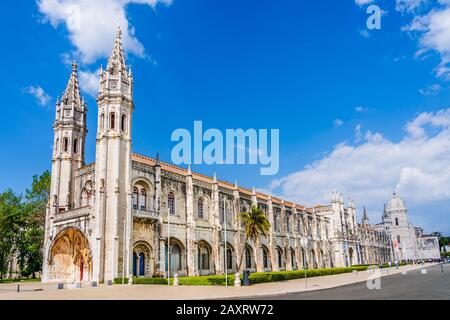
57,145
102,122
200,208
203,258
280,258
299,225
293,261
123,123
175,258
171,203
229,259
288,222
265,258
135,198
222,210
75,146
141,264
143,200
66,144
112,121
248,258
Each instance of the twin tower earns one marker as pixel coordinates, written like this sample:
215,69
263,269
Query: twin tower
106,228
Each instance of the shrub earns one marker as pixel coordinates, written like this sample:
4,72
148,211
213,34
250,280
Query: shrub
119,280
149,281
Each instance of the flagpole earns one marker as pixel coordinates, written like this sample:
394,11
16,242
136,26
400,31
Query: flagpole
226,264
168,246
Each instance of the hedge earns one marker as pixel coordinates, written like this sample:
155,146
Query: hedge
119,281
264,277
255,278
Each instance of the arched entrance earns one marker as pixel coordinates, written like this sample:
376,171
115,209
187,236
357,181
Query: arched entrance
70,257
142,260
351,253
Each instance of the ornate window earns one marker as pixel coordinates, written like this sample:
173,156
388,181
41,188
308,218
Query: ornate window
143,200
203,258
293,262
248,258
222,210
75,146
66,144
102,122
299,225
229,259
123,123
171,203
135,198
200,208
288,222
112,121
265,258
280,258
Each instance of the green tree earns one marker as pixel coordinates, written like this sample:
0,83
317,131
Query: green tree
30,241
11,209
256,225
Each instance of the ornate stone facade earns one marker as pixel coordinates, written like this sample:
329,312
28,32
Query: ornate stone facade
118,216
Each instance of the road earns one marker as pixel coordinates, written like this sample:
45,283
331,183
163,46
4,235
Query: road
434,285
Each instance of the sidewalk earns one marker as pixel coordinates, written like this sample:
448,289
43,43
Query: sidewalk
157,292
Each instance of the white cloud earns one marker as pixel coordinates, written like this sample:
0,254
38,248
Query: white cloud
338,122
432,25
42,98
92,24
364,33
363,2
89,82
431,90
361,109
417,166
409,5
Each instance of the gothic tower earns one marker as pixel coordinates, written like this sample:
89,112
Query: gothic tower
68,156
68,151
365,218
113,168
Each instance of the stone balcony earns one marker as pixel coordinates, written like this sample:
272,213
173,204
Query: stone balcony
73,214
145,214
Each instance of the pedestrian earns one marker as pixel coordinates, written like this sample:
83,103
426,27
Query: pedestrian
442,267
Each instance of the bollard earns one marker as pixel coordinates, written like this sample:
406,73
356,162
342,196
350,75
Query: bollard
18,288
93,284
237,279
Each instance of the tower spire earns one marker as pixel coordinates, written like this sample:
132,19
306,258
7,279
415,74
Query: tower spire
72,92
116,61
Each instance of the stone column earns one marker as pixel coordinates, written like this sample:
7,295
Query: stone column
190,225
272,237
217,228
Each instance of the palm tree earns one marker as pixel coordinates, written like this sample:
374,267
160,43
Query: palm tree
256,225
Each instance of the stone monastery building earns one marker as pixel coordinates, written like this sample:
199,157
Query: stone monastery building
110,218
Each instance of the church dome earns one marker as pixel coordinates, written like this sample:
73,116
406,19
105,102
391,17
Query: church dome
396,204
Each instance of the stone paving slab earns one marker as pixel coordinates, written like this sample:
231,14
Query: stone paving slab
164,292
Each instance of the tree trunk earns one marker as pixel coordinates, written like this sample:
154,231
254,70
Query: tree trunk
242,255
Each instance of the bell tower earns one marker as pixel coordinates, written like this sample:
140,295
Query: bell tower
68,151
113,167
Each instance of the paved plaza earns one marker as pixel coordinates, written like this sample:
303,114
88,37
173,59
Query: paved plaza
38,291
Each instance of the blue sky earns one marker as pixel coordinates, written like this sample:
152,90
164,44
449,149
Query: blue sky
360,111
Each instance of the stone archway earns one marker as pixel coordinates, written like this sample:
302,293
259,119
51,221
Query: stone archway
142,260
70,257
351,255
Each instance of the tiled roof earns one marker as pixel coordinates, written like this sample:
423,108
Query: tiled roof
178,170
